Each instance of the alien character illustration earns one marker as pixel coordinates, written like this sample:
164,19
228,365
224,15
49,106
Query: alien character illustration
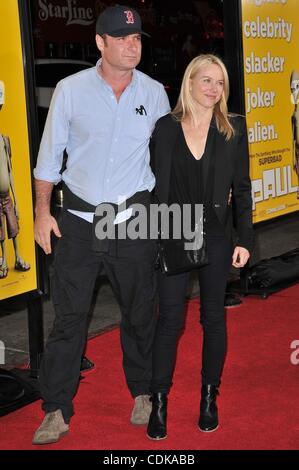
295,122
8,204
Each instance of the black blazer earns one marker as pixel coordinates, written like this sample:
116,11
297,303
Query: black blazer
231,171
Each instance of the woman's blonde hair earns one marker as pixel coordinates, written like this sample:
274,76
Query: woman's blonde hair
185,106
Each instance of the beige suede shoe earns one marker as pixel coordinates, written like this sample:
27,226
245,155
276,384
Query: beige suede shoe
142,410
52,429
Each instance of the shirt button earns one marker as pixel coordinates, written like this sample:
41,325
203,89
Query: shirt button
111,160
116,139
107,180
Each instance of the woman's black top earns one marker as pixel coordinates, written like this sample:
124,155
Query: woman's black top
186,182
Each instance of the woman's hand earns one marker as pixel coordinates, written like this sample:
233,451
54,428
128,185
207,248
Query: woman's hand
240,257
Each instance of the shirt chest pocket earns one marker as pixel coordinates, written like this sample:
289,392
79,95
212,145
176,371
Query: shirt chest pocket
84,127
138,127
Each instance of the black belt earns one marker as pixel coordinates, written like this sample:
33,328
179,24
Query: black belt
73,202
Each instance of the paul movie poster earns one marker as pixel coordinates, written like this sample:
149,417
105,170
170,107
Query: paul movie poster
271,68
18,273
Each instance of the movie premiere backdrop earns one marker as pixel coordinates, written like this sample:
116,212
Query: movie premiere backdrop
270,31
16,228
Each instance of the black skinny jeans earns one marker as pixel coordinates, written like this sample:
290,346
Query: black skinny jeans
172,292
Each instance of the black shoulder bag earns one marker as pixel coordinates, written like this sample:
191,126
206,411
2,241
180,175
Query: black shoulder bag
181,255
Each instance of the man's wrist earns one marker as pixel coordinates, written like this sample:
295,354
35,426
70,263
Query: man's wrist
42,211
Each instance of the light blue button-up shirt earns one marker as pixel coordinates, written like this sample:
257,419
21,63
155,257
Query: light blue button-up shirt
106,140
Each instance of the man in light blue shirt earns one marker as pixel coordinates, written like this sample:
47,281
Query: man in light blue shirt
103,117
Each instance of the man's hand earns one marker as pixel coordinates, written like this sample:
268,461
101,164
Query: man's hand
240,257
44,225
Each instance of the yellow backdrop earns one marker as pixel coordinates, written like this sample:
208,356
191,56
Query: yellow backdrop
13,123
270,31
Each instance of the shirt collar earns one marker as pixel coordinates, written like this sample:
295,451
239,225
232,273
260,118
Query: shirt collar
132,84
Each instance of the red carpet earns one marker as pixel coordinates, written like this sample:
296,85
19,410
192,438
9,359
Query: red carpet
258,399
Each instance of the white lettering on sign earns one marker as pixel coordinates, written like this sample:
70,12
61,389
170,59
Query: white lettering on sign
260,3
259,99
261,133
69,11
265,64
278,29
273,183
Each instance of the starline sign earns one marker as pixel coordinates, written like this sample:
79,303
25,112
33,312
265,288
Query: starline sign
70,11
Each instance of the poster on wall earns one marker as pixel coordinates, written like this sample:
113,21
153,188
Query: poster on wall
18,272
270,30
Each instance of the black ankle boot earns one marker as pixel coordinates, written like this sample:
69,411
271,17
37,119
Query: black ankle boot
208,420
156,428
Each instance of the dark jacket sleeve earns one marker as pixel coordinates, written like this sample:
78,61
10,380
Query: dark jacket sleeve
242,189
152,148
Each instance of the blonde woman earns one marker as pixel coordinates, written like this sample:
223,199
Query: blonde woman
199,153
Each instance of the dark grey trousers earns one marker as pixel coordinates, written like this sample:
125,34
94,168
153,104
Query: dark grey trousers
129,265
